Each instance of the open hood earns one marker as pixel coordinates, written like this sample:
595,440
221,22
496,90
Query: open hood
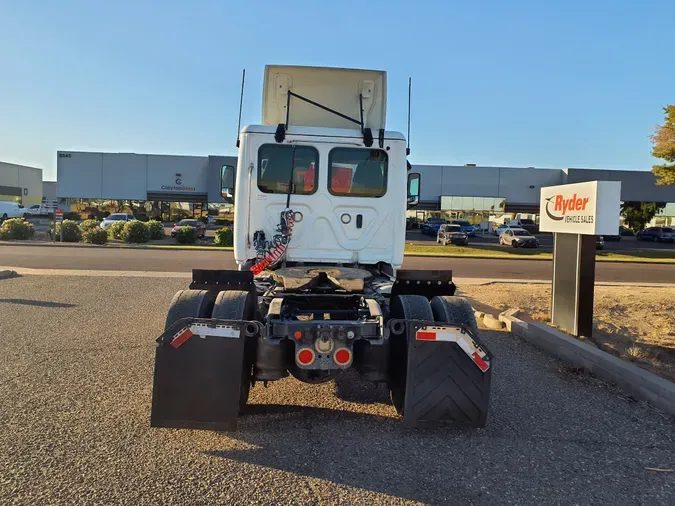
335,88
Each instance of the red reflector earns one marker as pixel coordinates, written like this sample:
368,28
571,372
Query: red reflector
306,356
482,364
343,356
426,336
181,338
298,334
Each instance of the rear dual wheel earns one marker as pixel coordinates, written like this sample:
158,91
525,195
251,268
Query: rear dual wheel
229,305
447,384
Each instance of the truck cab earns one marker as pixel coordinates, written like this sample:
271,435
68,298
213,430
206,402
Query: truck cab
343,186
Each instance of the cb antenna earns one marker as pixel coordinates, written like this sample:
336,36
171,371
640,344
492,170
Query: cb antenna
241,101
407,149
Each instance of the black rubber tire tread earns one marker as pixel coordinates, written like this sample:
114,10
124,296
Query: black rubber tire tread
239,305
189,304
454,310
408,307
458,390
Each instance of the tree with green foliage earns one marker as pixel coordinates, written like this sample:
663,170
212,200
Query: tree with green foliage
638,214
663,140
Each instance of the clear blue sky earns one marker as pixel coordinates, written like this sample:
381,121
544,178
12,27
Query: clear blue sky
511,83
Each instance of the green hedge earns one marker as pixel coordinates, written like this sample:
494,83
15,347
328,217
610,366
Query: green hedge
224,237
115,230
186,235
16,228
88,225
71,232
156,229
95,236
135,231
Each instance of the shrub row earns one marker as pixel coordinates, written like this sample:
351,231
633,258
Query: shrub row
16,228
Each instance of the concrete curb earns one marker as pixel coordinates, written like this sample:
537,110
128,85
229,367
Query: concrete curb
6,274
227,248
178,247
493,323
632,379
488,281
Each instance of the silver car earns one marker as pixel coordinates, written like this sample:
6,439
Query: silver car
518,238
109,220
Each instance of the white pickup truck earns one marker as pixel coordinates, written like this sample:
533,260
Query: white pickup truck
40,210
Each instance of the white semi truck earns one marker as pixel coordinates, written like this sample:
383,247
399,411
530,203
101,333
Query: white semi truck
320,190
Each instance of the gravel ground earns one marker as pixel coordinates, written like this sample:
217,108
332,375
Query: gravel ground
76,381
638,326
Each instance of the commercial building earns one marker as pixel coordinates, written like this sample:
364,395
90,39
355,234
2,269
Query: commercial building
461,191
468,190
20,184
159,183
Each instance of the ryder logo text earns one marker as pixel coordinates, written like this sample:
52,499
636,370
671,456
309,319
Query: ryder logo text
562,206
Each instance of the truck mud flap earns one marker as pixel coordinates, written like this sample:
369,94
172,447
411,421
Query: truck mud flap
448,376
198,373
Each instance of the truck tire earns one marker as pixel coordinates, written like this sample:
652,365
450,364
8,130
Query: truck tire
454,310
407,307
465,390
239,305
189,304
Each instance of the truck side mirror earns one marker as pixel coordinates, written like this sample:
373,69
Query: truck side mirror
413,189
227,173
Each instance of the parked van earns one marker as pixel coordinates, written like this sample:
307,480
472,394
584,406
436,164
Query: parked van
12,210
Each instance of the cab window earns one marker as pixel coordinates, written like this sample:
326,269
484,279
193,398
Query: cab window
357,172
275,162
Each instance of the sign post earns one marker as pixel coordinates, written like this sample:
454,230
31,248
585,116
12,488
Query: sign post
576,214
58,218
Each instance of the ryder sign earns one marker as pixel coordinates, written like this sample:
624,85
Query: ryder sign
582,208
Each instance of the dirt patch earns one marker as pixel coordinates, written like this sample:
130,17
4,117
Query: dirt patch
637,324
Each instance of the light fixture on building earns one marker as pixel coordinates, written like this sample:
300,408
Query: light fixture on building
25,191
532,186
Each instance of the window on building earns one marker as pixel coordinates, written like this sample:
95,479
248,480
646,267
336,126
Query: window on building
275,162
357,172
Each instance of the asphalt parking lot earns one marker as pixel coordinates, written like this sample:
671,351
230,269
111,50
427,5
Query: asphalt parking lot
546,241
74,410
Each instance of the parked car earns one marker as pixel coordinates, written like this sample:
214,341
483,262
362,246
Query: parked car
109,220
467,227
498,231
12,210
196,224
431,226
616,237
450,233
411,223
658,234
518,238
40,210
599,242
525,224
624,231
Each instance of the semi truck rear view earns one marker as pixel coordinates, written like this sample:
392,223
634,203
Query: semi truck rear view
320,190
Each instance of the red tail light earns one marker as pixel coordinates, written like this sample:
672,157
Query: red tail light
305,356
342,356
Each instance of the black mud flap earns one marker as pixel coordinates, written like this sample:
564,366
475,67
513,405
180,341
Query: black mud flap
448,377
198,373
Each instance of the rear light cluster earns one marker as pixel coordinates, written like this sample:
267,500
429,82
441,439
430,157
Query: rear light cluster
306,356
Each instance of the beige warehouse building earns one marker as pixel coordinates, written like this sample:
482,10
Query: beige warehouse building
20,184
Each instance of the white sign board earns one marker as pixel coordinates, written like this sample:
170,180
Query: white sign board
590,208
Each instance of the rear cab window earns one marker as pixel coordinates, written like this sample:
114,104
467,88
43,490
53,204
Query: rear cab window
357,172
274,168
